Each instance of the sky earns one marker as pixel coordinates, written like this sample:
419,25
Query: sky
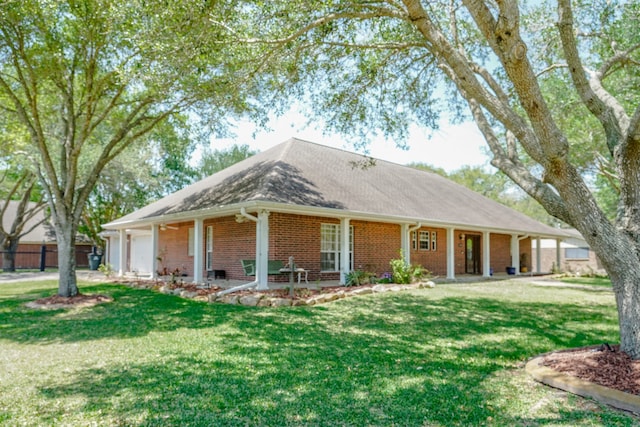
449,148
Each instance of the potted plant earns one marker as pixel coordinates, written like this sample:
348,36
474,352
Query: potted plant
524,262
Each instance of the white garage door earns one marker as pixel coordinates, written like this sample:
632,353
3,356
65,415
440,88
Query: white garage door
141,254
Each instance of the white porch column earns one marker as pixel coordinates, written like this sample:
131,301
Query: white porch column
405,243
538,256
154,251
486,254
122,267
198,250
558,254
451,254
262,250
515,253
344,250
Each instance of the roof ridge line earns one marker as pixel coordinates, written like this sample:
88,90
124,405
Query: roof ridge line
269,177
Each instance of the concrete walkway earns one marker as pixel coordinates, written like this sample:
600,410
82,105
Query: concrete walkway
29,276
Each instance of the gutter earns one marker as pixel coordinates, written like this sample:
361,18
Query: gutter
414,227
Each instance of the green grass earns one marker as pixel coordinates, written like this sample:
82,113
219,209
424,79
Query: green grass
449,356
593,281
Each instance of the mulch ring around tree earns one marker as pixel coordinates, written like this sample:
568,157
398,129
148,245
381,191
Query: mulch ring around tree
604,365
56,302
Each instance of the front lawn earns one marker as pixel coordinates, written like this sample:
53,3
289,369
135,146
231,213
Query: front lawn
593,281
447,356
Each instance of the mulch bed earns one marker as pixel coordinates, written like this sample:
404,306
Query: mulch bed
604,365
55,302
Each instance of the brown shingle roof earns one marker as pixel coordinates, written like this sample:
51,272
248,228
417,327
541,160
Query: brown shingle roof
301,173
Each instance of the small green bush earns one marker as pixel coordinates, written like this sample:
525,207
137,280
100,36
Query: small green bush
359,277
106,269
403,273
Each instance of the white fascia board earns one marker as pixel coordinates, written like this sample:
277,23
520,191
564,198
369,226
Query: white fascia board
178,217
228,210
355,215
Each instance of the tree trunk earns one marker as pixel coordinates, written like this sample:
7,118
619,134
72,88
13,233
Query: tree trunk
616,250
8,261
627,294
66,240
9,255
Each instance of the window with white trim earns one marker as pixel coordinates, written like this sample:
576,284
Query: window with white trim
576,253
209,248
424,240
414,240
330,247
434,237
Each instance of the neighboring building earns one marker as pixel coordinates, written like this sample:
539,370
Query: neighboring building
332,210
40,242
571,255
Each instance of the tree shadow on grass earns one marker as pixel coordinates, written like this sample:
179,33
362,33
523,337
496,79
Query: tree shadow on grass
132,313
382,360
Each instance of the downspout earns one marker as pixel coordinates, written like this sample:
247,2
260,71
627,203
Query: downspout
407,255
107,250
243,212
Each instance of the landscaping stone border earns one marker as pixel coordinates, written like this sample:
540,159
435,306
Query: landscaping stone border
263,299
616,398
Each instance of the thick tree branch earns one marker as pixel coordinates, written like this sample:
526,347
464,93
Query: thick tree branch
509,163
619,57
458,68
504,36
600,102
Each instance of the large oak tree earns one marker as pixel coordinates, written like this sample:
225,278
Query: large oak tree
381,65
87,78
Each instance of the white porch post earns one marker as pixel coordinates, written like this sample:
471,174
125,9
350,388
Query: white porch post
486,254
154,251
538,256
451,254
515,253
122,267
405,243
198,249
558,254
344,250
262,250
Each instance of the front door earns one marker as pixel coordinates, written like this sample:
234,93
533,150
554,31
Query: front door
472,264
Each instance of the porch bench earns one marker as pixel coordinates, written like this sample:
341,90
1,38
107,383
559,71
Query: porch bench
273,267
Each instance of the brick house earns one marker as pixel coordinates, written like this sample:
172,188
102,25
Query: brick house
572,255
38,247
332,210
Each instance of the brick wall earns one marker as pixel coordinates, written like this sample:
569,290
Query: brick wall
375,244
232,242
173,245
434,261
525,257
500,256
582,266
